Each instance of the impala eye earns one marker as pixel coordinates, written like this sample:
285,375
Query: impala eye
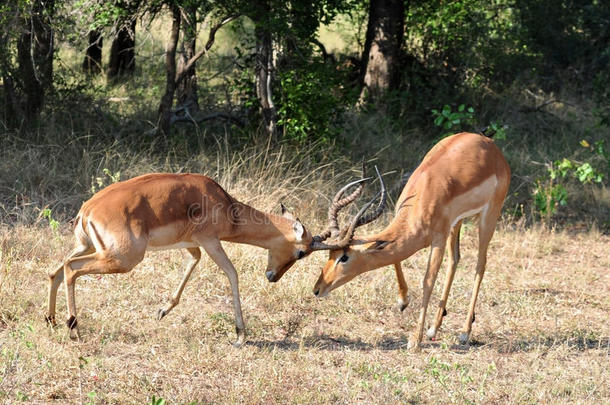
300,254
343,258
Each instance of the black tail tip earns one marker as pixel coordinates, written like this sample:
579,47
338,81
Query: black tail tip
487,132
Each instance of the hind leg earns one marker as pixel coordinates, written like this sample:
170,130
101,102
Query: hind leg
93,263
487,225
175,299
55,279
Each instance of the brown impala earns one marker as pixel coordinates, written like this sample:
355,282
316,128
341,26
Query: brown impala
158,211
461,176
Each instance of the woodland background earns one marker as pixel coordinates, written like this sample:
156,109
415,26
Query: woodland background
281,101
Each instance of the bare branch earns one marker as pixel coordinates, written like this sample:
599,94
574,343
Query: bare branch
325,54
211,38
183,114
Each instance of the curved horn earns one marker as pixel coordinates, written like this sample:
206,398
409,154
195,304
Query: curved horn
318,245
370,217
358,220
338,203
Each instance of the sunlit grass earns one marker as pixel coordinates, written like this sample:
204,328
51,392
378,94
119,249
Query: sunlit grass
541,333
540,336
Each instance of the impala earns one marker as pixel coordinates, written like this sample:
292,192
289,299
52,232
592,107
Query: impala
120,223
461,176
115,228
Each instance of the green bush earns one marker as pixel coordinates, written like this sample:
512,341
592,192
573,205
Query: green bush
551,193
311,103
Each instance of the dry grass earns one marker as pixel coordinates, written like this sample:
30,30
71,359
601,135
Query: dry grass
541,333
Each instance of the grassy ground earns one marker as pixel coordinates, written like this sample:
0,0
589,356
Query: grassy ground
541,333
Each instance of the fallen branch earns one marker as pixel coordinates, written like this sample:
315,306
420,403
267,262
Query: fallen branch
208,117
183,114
542,105
538,108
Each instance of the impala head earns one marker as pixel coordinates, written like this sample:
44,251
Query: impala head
300,243
294,245
347,257
345,264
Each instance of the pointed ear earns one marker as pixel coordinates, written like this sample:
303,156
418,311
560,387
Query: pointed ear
378,245
285,212
299,230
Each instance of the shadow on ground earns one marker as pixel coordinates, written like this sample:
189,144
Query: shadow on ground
504,345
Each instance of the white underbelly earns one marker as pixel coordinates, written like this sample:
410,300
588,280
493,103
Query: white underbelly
179,245
168,237
473,202
469,213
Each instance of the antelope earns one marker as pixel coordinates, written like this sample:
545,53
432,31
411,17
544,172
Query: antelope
158,211
461,176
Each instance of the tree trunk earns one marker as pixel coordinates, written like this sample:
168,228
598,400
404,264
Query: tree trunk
264,64
12,107
92,64
35,52
43,49
165,108
186,91
32,86
382,48
122,51
263,70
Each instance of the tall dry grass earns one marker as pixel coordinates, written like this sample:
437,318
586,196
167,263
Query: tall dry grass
541,333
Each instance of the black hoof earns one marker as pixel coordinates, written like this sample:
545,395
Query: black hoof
160,314
50,320
444,312
402,304
72,323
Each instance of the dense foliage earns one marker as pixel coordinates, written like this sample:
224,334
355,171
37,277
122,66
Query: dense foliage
536,72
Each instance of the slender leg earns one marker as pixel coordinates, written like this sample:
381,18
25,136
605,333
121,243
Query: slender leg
55,279
454,258
487,224
436,258
87,264
195,255
214,249
403,299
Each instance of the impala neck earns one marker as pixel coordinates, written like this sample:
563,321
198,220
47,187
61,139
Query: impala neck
402,243
257,228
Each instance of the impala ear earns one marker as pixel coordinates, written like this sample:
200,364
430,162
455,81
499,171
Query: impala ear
299,230
285,212
378,245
